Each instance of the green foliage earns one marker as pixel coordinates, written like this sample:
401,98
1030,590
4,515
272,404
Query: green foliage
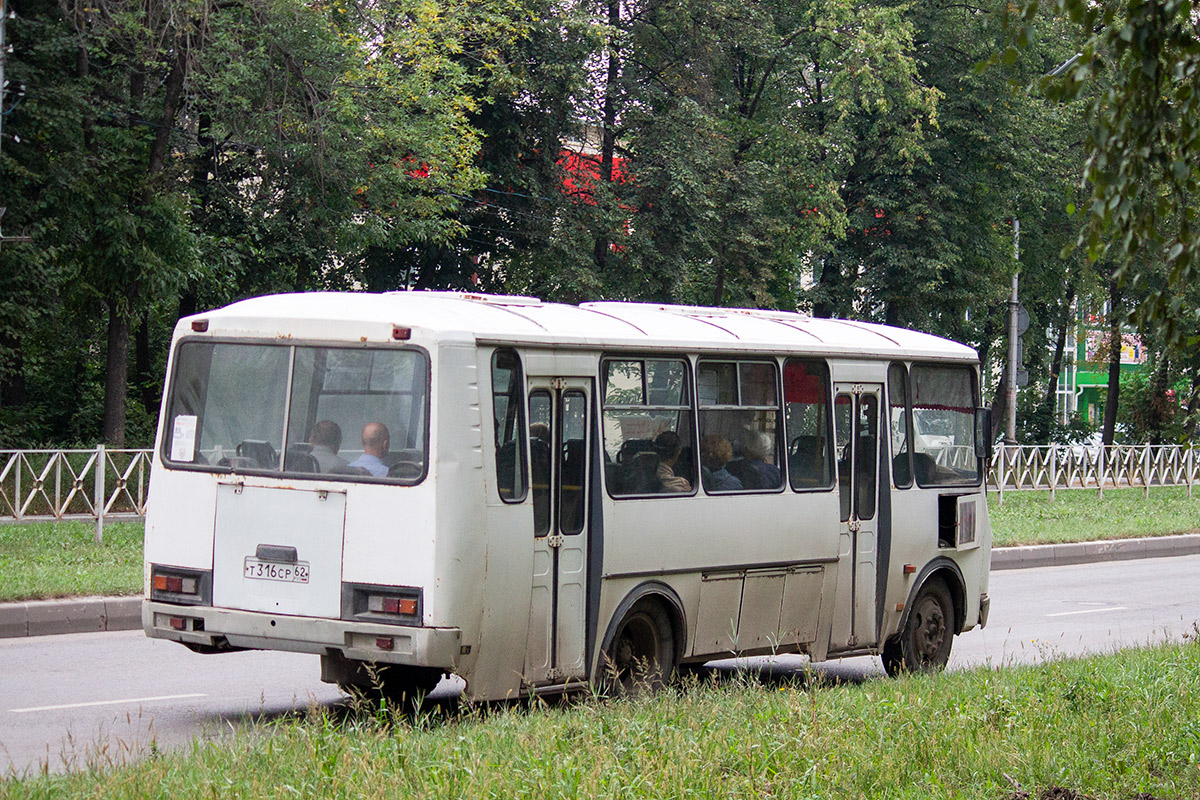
1138,65
844,158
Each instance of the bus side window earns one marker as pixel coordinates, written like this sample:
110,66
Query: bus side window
541,450
739,426
508,413
647,423
806,406
902,471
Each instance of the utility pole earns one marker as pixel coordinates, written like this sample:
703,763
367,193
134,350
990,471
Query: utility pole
1014,306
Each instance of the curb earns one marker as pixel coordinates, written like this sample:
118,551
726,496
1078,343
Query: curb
73,615
1057,555
89,614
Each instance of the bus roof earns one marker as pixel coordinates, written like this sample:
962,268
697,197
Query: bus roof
496,319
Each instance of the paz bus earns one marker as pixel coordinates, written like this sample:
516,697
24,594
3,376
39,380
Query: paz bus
536,496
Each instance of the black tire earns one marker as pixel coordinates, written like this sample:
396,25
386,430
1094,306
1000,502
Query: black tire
641,656
923,644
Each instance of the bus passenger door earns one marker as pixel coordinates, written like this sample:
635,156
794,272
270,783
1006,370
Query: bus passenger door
560,447
856,429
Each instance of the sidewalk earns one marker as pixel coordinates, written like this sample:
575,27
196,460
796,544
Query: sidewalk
89,614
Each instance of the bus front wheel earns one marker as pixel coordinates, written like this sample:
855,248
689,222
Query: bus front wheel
641,656
923,644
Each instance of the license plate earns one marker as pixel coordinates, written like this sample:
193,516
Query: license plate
274,571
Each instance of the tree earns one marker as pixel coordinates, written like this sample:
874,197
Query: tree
1141,171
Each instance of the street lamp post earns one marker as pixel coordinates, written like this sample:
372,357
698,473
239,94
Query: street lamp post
1014,306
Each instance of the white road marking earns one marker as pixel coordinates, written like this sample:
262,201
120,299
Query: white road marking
1087,611
107,703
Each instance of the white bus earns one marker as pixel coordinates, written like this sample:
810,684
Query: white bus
534,496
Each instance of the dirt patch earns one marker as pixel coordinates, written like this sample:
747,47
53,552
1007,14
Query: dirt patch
1060,793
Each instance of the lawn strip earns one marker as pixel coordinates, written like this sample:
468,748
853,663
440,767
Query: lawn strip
1120,726
40,560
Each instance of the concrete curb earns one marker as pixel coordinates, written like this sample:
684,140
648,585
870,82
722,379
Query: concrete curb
70,615
1057,555
86,614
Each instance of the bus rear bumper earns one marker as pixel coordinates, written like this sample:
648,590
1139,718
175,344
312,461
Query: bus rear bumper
215,629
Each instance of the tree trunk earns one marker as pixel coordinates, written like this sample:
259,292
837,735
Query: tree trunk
116,384
13,392
828,282
143,379
608,140
1114,363
1000,405
1159,384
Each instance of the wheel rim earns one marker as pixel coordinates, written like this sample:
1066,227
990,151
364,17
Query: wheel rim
636,650
929,632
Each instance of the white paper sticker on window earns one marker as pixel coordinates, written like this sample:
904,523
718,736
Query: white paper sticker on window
183,438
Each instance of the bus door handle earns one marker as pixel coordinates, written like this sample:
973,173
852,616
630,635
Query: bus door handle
854,525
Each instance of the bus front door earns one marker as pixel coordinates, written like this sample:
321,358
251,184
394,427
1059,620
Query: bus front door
856,428
560,445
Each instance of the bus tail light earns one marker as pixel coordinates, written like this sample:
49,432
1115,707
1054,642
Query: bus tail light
400,605
175,585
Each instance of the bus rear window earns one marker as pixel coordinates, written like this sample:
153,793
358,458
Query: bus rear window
353,413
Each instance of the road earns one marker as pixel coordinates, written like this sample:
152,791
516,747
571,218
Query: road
69,702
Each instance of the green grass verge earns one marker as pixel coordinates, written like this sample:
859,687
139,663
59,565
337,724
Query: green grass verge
61,559
1119,726
1077,515
41,560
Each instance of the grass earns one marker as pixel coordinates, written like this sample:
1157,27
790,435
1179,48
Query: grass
1077,515
1125,725
61,559
43,560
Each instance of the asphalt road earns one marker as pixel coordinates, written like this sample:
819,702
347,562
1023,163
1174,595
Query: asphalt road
99,699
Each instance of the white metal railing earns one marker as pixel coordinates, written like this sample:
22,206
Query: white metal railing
95,484
1119,466
40,485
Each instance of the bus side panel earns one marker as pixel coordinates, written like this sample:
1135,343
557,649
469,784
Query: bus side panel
679,540
915,541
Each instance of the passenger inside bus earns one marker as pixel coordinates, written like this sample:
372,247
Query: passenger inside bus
753,469
326,440
715,453
667,445
375,441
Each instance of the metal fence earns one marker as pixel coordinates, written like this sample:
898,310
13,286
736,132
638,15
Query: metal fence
108,484
1122,466
99,484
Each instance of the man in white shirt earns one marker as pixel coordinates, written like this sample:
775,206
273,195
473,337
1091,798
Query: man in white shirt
326,440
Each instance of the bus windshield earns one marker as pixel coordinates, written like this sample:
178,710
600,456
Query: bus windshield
348,413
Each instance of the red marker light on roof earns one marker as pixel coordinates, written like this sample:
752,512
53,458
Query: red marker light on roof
401,334
200,325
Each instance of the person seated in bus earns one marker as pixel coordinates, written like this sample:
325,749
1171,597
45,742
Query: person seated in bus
326,440
715,453
375,441
753,469
668,446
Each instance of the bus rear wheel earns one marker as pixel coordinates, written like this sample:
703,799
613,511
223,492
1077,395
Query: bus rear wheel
641,656
923,644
